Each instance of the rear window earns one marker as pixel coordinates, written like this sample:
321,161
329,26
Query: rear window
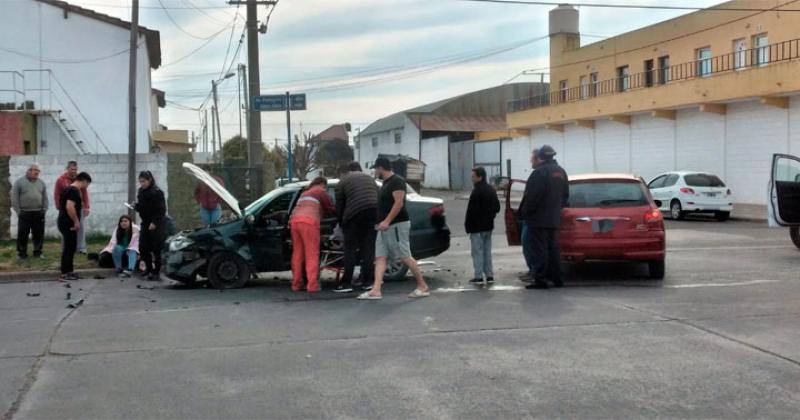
703,180
606,194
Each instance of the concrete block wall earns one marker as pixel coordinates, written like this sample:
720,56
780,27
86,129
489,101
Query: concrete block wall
107,194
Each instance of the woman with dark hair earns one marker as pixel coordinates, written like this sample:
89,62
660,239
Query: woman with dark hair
152,208
124,243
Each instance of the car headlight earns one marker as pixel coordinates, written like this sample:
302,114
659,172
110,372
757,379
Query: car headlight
180,243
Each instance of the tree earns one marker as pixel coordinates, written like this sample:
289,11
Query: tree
304,156
333,154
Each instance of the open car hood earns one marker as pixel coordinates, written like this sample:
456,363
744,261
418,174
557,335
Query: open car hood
212,183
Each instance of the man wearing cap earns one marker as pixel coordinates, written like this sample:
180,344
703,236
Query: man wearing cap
546,193
525,237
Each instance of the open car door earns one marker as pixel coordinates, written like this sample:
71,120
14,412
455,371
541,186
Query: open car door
784,191
513,228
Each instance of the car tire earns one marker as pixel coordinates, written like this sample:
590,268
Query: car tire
722,216
395,271
676,210
227,271
656,269
794,233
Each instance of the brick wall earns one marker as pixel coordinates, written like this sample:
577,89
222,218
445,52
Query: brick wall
107,194
11,133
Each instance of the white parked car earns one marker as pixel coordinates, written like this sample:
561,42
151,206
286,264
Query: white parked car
680,193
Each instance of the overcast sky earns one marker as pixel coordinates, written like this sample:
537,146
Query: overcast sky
382,56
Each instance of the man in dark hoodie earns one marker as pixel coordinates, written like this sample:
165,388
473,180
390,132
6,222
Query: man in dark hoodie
546,193
482,208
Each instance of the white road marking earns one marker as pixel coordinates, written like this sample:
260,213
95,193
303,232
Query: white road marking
738,283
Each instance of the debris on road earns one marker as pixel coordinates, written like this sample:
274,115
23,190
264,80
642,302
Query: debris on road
33,294
69,296
67,286
139,286
74,305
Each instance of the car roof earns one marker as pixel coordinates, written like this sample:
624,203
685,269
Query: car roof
603,177
687,173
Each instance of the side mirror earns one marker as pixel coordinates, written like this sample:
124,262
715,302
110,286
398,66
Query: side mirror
249,220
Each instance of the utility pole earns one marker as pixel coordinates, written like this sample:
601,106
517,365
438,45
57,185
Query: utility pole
216,113
289,135
213,131
132,104
254,125
246,103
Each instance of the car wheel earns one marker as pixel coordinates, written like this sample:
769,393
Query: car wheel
795,234
676,210
395,271
227,271
722,215
656,269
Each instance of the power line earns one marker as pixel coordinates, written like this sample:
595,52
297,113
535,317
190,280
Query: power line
208,41
180,28
630,6
68,60
230,42
203,12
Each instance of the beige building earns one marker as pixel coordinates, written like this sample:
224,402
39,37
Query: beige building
713,90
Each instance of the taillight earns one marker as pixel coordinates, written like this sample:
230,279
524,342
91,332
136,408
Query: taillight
437,210
654,220
687,190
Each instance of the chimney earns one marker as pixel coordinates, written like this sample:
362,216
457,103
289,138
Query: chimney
564,32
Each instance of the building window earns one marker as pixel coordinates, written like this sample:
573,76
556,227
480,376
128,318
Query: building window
584,87
398,138
374,142
663,70
623,78
649,73
739,53
594,81
704,62
760,50
562,88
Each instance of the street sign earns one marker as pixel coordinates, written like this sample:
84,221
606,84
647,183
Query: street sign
262,103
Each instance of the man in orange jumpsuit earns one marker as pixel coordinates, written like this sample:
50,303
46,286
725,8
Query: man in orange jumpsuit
312,205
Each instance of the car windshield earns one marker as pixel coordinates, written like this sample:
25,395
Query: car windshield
703,180
606,194
255,205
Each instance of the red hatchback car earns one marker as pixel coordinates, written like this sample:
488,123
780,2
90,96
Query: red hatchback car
610,218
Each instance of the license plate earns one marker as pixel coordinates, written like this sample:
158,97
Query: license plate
602,226
711,194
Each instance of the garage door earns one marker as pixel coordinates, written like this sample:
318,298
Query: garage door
701,136
652,146
578,155
434,154
612,145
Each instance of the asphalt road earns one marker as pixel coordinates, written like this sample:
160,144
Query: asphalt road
719,337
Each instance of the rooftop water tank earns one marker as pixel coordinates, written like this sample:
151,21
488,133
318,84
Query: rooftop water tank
564,20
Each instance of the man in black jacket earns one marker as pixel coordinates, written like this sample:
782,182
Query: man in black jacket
546,193
482,208
357,213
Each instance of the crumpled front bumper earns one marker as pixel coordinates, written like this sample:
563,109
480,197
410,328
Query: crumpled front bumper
182,265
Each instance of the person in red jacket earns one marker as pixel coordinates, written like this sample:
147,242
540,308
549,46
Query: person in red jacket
64,181
312,205
209,201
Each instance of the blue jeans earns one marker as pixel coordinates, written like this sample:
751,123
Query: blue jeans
117,254
482,254
527,246
209,217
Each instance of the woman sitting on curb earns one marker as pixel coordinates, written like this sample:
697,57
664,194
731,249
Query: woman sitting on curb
124,243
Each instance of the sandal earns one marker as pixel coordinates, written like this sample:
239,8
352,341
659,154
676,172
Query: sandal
419,294
368,296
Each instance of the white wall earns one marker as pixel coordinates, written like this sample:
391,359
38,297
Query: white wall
737,146
99,87
409,144
435,154
108,191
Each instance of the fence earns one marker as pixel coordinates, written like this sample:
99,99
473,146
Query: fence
704,67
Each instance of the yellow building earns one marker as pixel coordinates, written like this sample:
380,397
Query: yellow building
714,90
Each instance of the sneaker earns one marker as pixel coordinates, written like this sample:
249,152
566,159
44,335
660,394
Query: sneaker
476,280
342,288
127,274
67,277
489,279
367,296
539,285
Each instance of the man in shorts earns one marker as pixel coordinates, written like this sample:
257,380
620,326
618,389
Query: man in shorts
393,231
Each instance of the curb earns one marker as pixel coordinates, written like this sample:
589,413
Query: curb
39,276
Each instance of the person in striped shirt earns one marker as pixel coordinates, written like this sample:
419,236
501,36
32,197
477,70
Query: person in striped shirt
312,206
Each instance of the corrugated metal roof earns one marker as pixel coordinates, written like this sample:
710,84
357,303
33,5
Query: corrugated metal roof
391,122
465,124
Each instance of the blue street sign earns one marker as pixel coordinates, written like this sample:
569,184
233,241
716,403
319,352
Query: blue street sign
262,103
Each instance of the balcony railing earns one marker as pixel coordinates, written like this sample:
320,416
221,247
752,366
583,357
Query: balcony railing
731,62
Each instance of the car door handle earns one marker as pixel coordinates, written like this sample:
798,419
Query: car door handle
583,219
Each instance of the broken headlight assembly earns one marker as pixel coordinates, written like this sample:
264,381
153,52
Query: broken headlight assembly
180,243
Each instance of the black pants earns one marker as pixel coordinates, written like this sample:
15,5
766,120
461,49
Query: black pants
359,246
150,244
546,254
70,245
30,222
